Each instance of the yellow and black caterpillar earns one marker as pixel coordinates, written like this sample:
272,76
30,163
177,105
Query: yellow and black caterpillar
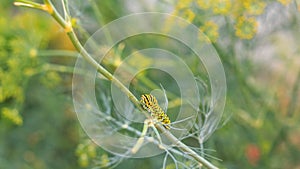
149,103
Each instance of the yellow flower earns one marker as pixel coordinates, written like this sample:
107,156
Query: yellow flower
204,4
182,4
12,115
237,9
83,160
74,22
33,53
91,150
285,2
79,149
51,79
29,71
254,7
104,160
189,15
246,28
210,29
222,7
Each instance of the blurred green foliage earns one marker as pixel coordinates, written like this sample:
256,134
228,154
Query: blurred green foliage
38,127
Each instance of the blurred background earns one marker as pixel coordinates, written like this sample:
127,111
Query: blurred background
258,42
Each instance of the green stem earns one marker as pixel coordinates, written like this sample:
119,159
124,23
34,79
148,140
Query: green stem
87,57
294,97
185,148
99,17
101,69
60,68
29,4
58,53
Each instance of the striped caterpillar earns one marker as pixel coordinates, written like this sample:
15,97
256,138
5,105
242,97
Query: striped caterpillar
150,104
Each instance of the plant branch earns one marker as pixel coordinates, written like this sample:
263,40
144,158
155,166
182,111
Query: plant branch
30,4
185,148
71,34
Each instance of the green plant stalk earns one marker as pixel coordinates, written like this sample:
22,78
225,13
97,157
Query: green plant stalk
143,79
294,98
50,53
71,34
202,161
48,7
100,19
60,68
30,4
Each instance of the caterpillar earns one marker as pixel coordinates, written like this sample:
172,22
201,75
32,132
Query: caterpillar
150,104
